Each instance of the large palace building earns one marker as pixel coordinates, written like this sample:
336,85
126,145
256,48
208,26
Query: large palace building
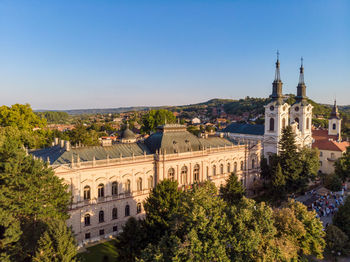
109,183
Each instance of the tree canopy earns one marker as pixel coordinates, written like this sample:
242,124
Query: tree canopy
202,226
155,118
32,194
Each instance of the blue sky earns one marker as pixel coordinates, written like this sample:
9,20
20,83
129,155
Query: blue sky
99,54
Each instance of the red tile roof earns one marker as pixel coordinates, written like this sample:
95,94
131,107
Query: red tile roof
323,141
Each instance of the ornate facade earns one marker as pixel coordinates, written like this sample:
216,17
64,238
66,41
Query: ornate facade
110,183
279,114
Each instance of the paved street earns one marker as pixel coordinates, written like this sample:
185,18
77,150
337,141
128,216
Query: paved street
326,205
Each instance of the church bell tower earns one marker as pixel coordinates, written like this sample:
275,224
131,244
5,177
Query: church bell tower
334,122
301,113
276,115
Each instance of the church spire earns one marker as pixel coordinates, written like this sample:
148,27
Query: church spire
277,83
301,88
277,71
335,112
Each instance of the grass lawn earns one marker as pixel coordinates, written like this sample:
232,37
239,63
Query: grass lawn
99,252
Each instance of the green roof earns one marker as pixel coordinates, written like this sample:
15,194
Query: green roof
169,139
176,139
58,155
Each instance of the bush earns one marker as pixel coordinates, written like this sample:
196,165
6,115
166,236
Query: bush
333,182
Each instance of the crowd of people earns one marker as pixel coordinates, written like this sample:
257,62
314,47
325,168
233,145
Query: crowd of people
326,203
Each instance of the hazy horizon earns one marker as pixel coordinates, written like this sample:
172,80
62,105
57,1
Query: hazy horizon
62,55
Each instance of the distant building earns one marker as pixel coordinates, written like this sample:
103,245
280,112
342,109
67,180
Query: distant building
329,142
195,121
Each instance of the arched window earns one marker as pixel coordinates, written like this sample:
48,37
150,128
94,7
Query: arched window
139,184
87,193
307,123
101,216
127,210
297,121
184,175
228,167
114,188
196,173
334,126
87,220
235,167
114,213
138,208
272,124
283,123
101,190
150,182
214,170
253,163
242,165
128,186
221,168
171,174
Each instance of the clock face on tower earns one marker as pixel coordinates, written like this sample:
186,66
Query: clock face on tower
272,108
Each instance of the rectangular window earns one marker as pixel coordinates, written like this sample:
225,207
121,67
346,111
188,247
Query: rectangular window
102,232
321,154
87,236
115,229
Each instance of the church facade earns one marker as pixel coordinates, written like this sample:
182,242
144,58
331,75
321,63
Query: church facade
278,114
109,183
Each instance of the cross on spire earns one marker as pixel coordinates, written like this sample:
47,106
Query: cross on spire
277,72
301,76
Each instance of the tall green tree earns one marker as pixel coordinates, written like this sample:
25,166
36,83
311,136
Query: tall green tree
233,191
311,242
310,165
20,116
10,233
31,192
341,219
81,134
131,241
336,240
278,182
56,244
289,158
199,229
342,166
253,232
155,118
162,203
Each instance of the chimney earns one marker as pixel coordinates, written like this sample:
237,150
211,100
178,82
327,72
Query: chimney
62,143
55,140
67,145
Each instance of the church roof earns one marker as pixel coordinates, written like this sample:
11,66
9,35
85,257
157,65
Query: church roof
59,156
243,128
323,141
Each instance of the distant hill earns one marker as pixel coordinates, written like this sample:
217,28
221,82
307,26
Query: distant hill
254,106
